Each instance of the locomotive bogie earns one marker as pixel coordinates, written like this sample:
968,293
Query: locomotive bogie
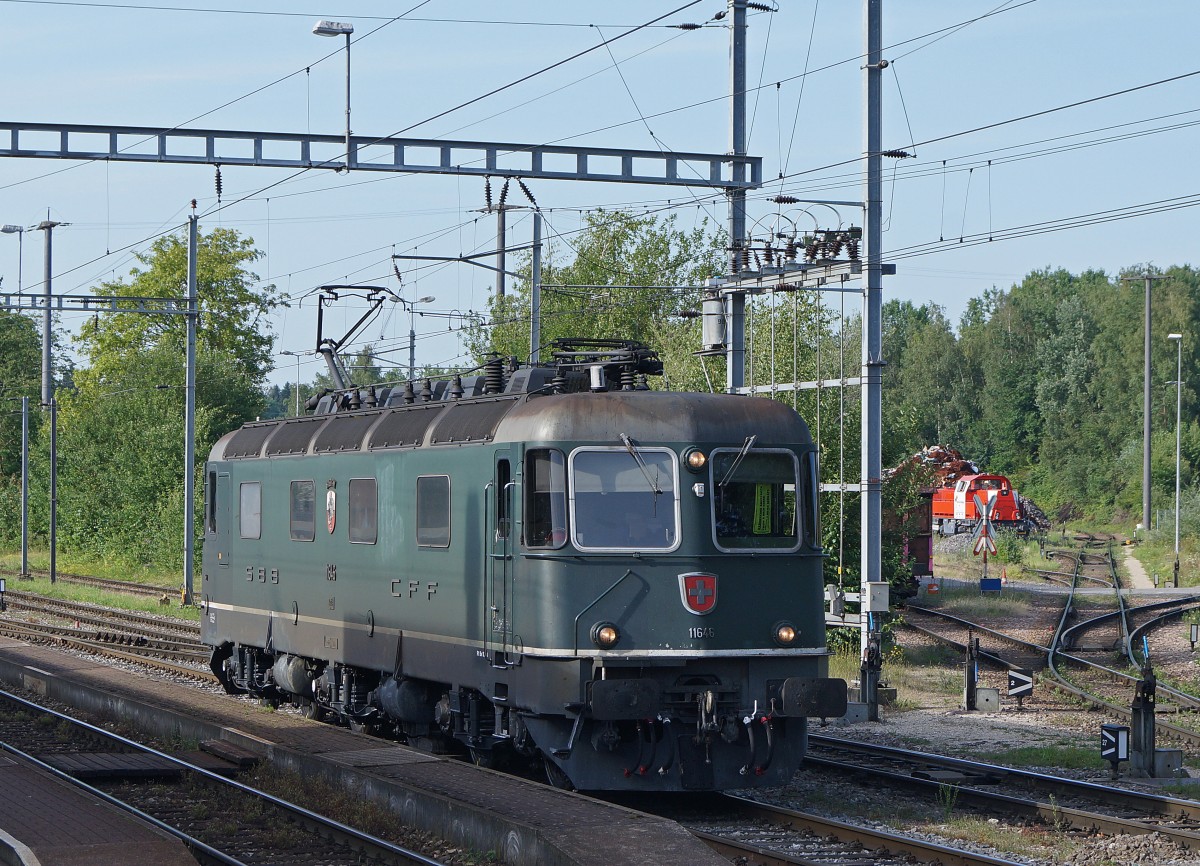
626,585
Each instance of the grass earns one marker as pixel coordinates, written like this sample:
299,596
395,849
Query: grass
968,603
920,678
93,595
73,563
1068,757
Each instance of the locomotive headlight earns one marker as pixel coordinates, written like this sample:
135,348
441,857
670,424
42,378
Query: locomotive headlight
785,633
605,635
695,459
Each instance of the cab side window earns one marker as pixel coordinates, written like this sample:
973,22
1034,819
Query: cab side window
364,511
250,502
302,522
433,511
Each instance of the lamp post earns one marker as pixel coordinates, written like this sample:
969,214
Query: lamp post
1178,339
340,28
296,389
47,226
19,231
412,334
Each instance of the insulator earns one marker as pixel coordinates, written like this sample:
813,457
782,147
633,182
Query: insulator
810,250
372,397
528,194
426,391
785,199
759,7
354,401
641,383
687,26
769,253
746,259
835,247
456,388
735,262
493,381
504,192
559,383
790,251
219,185
757,261
193,204
409,396
487,191
852,248
396,270
628,379
897,154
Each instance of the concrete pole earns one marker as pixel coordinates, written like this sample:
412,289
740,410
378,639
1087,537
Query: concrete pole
872,330
53,488
1146,417
189,423
47,373
349,158
501,233
24,488
535,293
735,353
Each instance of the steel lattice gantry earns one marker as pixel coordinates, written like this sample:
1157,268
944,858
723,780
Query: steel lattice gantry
368,153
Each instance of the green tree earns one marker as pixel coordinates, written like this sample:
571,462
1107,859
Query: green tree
619,284
20,376
233,306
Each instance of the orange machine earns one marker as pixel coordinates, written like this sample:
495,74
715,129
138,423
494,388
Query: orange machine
955,510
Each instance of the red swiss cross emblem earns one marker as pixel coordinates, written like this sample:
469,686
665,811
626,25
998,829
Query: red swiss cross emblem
698,590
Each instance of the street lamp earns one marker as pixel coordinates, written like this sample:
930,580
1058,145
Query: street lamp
1178,338
412,334
296,355
340,28
19,231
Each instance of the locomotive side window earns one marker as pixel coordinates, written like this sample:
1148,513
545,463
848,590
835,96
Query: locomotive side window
754,500
302,523
624,499
211,502
364,511
503,517
433,511
250,502
810,483
545,498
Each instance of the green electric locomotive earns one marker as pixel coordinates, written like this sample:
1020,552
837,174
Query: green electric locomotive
551,563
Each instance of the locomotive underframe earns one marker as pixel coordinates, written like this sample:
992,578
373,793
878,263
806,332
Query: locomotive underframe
694,724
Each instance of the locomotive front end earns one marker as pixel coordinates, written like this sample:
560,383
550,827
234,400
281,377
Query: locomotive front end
690,578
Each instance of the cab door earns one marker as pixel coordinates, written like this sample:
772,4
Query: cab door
500,527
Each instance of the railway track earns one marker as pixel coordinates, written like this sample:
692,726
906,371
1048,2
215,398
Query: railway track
1081,658
757,832
1068,803
177,658
192,803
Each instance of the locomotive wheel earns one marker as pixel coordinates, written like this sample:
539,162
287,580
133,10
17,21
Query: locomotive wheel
312,710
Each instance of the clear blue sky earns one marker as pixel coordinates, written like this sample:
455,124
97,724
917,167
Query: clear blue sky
154,64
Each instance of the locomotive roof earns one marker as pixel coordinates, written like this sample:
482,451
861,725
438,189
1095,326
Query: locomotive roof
650,416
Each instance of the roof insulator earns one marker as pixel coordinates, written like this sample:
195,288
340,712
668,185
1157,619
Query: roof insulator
898,154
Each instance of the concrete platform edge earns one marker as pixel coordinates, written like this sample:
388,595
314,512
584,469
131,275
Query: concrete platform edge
460,824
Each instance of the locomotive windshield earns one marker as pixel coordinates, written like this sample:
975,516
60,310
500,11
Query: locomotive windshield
754,499
624,499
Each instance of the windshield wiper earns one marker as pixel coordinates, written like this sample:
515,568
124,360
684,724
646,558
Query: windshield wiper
632,449
737,461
